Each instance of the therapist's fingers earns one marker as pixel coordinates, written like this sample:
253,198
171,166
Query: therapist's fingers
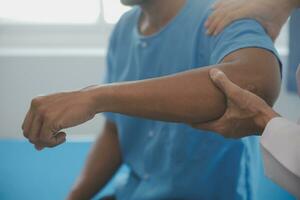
224,13
213,21
213,15
223,83
210,126
219,126
220,4
226,20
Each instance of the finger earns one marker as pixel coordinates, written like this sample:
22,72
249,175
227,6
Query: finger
209,126
27,123
51,137
223,83
224,23
60,138
219,4
46,135
35,129
208,21
211,18
213,22
38,147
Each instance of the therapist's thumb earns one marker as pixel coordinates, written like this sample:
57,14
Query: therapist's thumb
223,83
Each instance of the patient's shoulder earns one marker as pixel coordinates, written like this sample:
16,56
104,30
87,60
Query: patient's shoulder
129,18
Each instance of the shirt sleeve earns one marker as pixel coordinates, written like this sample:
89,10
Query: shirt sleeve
281,142
240,34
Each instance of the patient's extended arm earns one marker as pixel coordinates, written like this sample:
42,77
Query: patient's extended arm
191,97
188,97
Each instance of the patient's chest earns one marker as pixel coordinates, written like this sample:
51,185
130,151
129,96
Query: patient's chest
148,58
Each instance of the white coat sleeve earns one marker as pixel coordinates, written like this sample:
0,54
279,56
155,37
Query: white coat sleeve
280,145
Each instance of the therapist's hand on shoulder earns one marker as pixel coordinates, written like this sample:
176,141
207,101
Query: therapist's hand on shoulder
246,113
48,115
272,14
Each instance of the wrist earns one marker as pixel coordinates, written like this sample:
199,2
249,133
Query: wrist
265,116
101,98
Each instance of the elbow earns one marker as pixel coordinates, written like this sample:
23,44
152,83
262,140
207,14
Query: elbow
269,83
258,71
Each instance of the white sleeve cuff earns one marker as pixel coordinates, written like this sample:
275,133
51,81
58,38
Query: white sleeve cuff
280,143
282,139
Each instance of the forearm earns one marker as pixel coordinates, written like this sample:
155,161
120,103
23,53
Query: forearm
184,97
190,97
103,161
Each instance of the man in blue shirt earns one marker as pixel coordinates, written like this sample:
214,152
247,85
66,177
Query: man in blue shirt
160,52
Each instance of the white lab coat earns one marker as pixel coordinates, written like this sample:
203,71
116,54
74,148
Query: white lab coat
280,145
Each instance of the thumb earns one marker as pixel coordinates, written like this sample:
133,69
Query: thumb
209,126
59,138
222,82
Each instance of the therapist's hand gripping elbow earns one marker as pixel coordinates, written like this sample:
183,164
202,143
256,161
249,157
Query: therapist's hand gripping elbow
271,14
242,106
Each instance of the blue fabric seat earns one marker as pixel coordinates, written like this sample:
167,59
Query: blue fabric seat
28,174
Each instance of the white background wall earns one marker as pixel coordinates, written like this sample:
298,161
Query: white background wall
24,77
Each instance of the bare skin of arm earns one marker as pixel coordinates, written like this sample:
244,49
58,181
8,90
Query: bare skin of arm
189,97
242,107
103,161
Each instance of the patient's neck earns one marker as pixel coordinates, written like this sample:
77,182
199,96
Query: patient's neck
157,13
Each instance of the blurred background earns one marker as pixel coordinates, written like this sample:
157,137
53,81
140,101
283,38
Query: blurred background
48,46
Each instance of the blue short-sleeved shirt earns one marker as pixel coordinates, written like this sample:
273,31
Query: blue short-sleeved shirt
172,160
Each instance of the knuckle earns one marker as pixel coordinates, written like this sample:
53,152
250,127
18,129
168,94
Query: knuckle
25,134
33,140
25,130
46,117
56,126
41,111
35,102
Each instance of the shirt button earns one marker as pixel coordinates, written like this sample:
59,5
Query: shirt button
146,177
151,133
144,44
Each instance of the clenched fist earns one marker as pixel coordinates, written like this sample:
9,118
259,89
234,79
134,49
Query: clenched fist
48,115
